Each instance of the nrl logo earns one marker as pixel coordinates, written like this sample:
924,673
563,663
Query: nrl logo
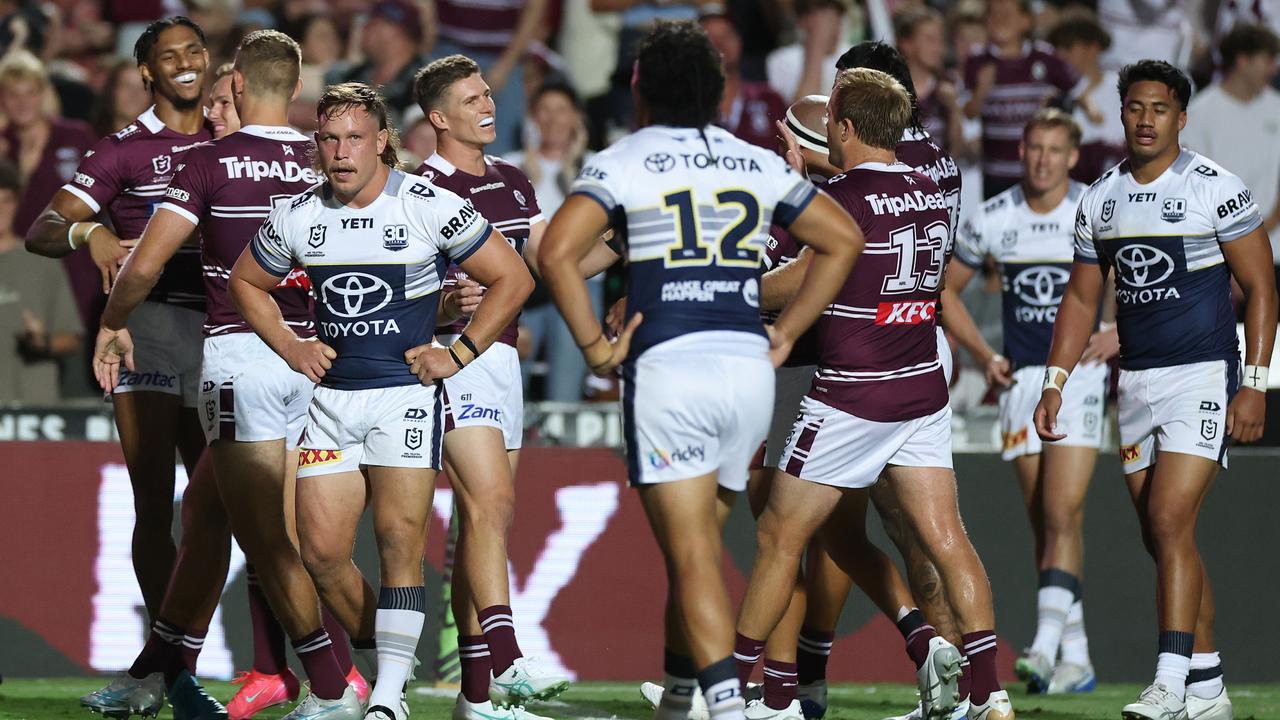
317,235
1108,208
161,164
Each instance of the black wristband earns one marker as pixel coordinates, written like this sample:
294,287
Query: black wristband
456,360
468,344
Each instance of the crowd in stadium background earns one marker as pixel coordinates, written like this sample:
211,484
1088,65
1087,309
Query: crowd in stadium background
560,72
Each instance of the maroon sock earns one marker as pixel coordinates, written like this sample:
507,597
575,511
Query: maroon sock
812,652
500,636
163,643
917,633
316,653
473,655
779,684
341,646
980,647
192,643
966,677
746,652
268,636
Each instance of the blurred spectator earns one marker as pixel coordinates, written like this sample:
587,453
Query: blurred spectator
123,98
808,66
747,109
1081,41
1009,81
419,141
390,41
1236,121
1140,29
922,42
322,44
46,150
554,151
1234,12
23,25
496,34
588,43
637,16
38,320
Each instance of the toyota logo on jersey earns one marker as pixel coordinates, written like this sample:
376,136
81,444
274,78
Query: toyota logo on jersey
1041,285
355,294
1144,265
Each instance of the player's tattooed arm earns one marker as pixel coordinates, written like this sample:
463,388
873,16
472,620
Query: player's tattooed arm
1249,259
67,224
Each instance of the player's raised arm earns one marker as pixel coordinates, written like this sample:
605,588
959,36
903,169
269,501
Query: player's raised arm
836,242
1250,262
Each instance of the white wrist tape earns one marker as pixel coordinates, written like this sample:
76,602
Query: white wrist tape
1055,378
1255,376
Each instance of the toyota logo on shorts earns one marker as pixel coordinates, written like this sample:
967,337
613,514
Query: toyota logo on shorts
354,294
1041,285
1144,265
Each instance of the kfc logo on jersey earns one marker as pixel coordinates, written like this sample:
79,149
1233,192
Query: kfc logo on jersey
161,164
906,312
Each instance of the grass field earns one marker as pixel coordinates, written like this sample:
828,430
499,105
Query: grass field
56,698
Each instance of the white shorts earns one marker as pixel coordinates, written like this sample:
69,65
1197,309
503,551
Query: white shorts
1180,409
945,357
1080,418
168,342
832,447
391,427
688,412
488,392
250,394
790,385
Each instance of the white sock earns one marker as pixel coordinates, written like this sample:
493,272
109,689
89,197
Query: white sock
1171,671
677,698
1053,604
1212,686
729,705
397,626
1075,643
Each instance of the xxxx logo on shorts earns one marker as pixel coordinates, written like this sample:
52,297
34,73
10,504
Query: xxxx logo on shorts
1129,453
1015,439
311,458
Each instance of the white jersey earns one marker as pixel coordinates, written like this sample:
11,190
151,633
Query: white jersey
1035,253
375,270
1173,288
694,208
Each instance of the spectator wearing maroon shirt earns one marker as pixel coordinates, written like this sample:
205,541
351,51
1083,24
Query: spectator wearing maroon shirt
391,41
1010,80
496,34
46,149
922,41
748,109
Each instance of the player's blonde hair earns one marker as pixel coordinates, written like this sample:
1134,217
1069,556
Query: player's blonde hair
877,106
1052,118
341,98
271,63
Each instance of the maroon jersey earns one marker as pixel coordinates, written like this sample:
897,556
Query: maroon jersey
126,173
922,152
504,197
228,187
934,115
479,25
878,351
752,114
1023,84
780,249
67,143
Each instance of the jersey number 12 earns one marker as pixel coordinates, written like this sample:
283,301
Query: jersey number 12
733,248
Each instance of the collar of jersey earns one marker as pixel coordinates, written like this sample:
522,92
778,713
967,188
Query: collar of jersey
438,162
897,167
1180,164
273,132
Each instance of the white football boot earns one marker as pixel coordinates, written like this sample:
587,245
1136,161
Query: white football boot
997,707
1072,678
465,710
347,707
1036,670
1157,702
938,680
757,710
126,695
652,693
1218,708
525,680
